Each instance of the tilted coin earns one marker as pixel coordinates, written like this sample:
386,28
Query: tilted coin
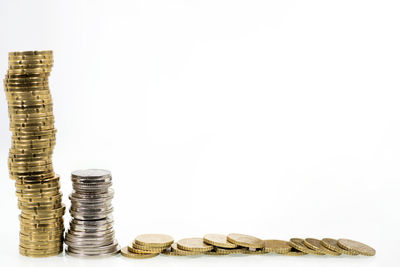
298,243
331,244
245,240
277,246
31,53
356,246
154,240
316,245
194,244
218,240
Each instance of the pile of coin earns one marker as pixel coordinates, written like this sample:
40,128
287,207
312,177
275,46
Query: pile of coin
30,157
151,245
91,231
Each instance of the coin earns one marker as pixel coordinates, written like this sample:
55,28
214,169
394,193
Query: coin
245,240
331,244
254,251
194,244
356,246
277,246
316,245
229,250
298,244
175,248
218,240
154,240
126,253
152,249
139,251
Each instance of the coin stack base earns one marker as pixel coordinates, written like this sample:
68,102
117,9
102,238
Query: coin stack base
91,232
31,116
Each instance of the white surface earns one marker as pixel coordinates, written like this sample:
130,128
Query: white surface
277,118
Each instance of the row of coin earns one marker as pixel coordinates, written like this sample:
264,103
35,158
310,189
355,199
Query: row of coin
151,245
30,109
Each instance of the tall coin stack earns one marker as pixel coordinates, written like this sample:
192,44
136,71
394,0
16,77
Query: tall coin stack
91,231
30,158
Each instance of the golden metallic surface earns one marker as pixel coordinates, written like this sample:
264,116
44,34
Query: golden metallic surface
356,246
154,240
182,252
126,253
245,240
229,250
137,246
298,244
218,240
276,246
30,156
254,251
140,251
194,244
316,245
332,244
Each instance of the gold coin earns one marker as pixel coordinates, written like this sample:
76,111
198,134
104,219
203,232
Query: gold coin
356,246
126,253
254,251
194,244
140,251
229,250
331,244
182,252
154,250
14,62
171,253
218,240
277,246
298,244
27,76
39,253
214,253
40,185
30,66
245,240
154,240
31,53
316,245
30,57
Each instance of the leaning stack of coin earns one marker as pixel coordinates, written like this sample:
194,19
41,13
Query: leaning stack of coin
30,158
91,231
151,245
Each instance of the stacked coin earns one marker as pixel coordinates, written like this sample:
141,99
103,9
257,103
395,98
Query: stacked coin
91,231
30,158
151,245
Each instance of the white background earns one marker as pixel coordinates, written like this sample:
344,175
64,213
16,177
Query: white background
277,119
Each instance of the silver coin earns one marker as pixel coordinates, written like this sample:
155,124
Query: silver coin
91,173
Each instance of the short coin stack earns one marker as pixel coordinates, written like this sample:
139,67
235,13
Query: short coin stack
91,231
151,245
30,157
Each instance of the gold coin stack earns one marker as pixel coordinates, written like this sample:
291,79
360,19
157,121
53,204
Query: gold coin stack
30,110
151,245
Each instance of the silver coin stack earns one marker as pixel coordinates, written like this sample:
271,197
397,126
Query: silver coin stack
91,231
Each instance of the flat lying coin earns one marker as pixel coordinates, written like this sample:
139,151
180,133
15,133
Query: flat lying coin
316,245
140,251
277,246
332,244
182,252
298,244
153,250
356,246
218,241
194,244
154,240
126,253
245,240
